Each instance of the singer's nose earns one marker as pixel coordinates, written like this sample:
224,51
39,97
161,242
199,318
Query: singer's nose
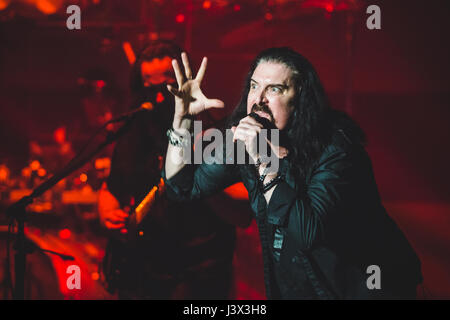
261,98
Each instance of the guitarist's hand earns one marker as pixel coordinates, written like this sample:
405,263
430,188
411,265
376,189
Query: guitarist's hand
110,214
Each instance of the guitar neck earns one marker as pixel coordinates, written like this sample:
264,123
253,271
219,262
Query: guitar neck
143,208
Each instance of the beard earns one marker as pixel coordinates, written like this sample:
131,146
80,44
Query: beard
269,124
265,109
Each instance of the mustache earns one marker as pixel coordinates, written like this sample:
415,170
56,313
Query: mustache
263,108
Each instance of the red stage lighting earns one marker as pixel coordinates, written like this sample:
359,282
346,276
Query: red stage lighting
48,6
100,84
65,234
159,97
268,16
206,4
179,18
4,4
329,7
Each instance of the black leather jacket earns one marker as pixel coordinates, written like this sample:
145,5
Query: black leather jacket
319,246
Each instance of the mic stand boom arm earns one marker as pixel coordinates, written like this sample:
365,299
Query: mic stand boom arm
17,210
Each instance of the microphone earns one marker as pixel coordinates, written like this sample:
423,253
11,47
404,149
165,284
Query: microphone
147,106
232,150
267,124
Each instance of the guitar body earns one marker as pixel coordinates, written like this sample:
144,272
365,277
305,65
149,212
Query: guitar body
121,255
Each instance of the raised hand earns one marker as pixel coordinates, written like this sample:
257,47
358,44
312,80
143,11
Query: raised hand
189,98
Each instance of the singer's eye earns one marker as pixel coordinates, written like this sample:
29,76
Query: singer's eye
253,86
275,90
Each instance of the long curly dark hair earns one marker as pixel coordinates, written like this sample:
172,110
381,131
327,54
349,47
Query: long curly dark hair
313,122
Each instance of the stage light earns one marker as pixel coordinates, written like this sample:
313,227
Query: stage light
268,16
49,6
26,172
329,7
65,234
83,177
4,4
159,97
41,172
236,7
35,165
100,84
4,173
95,276
206,5
59,135
179,18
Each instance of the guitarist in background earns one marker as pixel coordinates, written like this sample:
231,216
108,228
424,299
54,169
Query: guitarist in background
175,254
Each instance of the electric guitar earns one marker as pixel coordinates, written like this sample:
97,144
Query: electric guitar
133,229
117,254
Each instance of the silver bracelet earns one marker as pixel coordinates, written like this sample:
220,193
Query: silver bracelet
176,139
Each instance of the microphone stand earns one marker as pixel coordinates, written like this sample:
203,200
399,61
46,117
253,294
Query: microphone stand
17,211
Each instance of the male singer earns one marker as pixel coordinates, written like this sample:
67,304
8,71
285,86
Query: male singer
321,221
